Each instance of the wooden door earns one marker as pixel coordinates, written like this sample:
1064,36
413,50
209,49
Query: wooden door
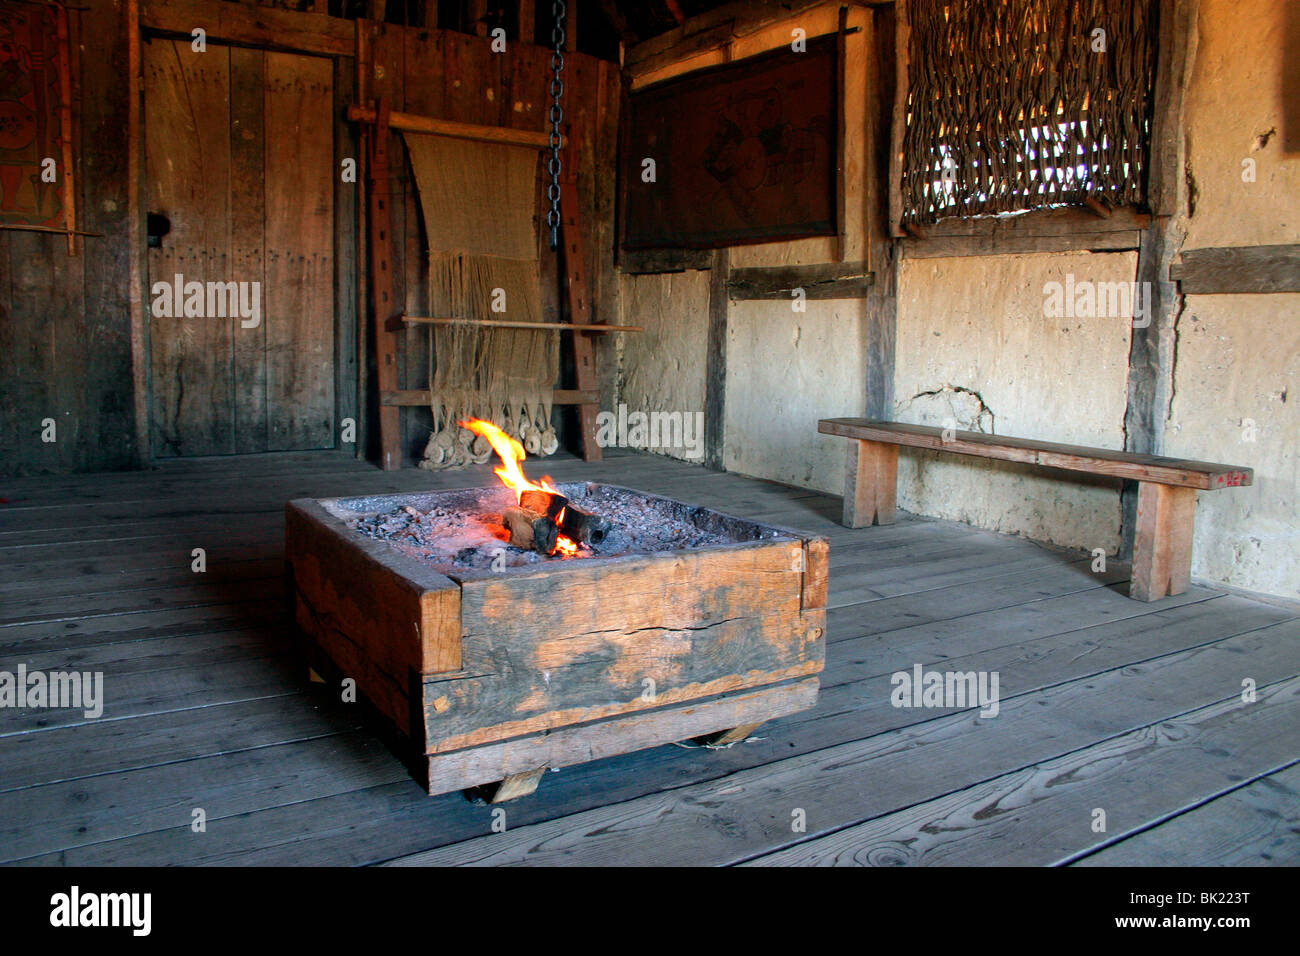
239,160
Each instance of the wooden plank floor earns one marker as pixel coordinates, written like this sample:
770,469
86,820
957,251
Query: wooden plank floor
1121,736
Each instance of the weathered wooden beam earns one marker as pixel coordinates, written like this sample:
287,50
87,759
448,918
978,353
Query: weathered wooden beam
898,116
259,26
1151,348
1238,269
594,328
412,123
715,374
713,29
1048,230
382,302
870,484
1162,549
578,293
423,397
841,126
880,310
848,280
136,266
659,261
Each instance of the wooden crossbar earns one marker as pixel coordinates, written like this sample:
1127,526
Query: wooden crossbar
413,123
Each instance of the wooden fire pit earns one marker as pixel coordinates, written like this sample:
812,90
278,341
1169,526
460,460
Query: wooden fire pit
494,676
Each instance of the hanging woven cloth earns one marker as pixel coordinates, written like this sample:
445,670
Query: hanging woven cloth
480,203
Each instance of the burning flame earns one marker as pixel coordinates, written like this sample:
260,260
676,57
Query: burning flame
512,476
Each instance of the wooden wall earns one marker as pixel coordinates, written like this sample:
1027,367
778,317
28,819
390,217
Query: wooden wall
66,323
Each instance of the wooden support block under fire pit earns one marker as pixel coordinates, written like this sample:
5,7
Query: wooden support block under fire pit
498,675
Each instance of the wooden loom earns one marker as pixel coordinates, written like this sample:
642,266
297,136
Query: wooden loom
378,120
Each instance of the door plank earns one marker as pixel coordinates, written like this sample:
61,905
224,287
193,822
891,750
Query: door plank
187,159
247,242
298,297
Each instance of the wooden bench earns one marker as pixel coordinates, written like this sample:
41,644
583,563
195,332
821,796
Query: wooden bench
1162,547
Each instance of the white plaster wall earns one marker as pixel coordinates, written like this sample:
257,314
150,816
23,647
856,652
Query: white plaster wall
785,371
1238,356
663,368
1236,111
1239,366
976,350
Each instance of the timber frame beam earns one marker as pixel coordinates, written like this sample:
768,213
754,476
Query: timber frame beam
1151,351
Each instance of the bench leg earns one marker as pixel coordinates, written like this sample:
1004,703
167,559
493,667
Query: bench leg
1162,545
870,483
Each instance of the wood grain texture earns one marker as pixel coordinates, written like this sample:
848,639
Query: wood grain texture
748,814
1253,826
542,650
870,484
715,373
1162,547
598,740
1237,269
1204,475
248,185
290,789
385,619
846,280
187,175
252,25
1043,814
298,297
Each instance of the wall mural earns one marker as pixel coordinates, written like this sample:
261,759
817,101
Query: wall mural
739,153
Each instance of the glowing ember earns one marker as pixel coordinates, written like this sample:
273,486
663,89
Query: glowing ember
512,476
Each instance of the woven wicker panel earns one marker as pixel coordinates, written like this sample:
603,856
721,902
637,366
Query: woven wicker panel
1010,107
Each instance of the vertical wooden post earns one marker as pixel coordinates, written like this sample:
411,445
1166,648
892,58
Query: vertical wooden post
898,118
135,257
1151,349
575,274
841,121
361,94
1162,544
870,484
381,290
715,373
571,27
527,22
65,128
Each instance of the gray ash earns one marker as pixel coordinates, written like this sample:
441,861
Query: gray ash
458,531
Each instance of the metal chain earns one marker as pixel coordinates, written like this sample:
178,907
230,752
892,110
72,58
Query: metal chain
559,12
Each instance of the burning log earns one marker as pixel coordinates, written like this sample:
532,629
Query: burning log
529,530
581,526
543,502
